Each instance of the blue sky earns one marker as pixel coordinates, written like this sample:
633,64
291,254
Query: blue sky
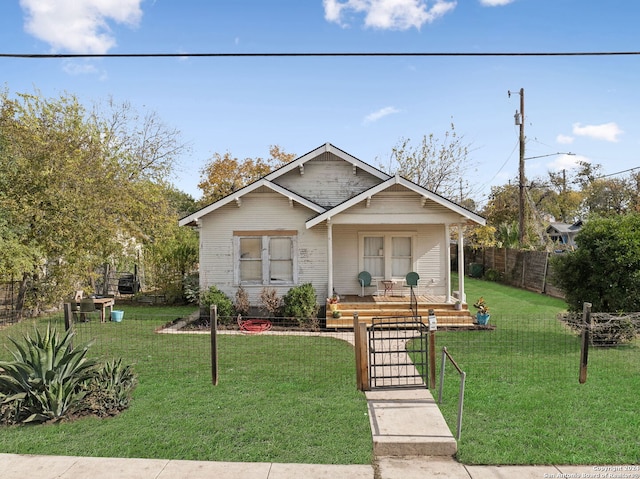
586,105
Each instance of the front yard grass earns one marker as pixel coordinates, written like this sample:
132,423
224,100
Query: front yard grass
523,402
270,404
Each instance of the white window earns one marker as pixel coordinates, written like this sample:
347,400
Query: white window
400,256
266,259
386,255
374,255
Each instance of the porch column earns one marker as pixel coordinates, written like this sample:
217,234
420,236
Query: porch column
329,258
447,275
463,296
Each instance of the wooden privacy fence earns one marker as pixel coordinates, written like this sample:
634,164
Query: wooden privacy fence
531,270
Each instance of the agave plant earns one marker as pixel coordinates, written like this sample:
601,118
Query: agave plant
46,378
109,392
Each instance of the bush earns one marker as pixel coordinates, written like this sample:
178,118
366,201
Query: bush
214,296
242,304
492,275
109,391
604,270
606,329
270,301
49,380
300,303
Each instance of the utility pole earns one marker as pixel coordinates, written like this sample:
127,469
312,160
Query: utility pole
519,119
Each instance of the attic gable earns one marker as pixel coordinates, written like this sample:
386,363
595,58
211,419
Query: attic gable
327,176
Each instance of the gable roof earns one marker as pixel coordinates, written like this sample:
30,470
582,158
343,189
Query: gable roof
565,227
396,180
193,218
327,148
386,181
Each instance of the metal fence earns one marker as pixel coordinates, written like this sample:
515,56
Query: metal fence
158,343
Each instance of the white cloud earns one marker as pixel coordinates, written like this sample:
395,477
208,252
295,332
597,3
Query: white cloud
79,26
381,113
565,139
388,14
606,131
566,162
495,3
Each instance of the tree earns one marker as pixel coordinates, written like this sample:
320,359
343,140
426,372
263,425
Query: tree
605,268
435,164
79,187
224,174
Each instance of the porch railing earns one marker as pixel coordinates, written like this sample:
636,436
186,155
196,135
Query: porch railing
414,304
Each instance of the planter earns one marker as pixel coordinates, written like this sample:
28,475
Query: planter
117,316
333,307
336,314
482,319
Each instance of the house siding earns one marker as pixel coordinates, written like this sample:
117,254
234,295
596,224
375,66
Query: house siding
259,211
327,180
428,256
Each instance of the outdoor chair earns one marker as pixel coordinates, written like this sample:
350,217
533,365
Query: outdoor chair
411,280
87,307
364,278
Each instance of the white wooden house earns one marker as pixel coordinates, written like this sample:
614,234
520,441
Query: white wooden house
324,218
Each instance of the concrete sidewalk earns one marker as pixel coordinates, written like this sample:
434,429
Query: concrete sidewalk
15,466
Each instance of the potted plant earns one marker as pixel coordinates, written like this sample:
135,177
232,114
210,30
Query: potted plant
333,302
482,316
458,306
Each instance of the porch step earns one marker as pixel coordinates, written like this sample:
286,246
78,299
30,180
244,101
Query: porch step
446,314
408,422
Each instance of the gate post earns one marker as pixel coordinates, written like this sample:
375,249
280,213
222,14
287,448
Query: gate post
360,338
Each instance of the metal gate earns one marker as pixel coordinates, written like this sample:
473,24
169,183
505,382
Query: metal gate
391,364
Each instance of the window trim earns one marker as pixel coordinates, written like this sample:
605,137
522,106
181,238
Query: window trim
388,251
265,236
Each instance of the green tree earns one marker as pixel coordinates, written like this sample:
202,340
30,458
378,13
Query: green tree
605,268
224,174
80,189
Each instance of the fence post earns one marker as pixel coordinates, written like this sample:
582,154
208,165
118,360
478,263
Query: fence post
364,361
213,315
432,348
357,348
68,320
586,334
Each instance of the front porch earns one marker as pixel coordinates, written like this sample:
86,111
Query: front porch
376,306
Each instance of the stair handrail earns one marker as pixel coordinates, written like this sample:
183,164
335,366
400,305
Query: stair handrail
463,377
413,305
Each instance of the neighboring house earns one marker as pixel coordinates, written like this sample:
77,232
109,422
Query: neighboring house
564,234
322,219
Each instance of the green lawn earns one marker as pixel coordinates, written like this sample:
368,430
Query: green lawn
523,402
279,399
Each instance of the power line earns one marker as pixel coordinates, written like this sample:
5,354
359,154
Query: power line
317,54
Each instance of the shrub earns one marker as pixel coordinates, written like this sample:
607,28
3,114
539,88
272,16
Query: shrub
191,286
270,301
109,391
214,296
242,304
605,268
300,303
49,380
492,275
606,329
47,377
